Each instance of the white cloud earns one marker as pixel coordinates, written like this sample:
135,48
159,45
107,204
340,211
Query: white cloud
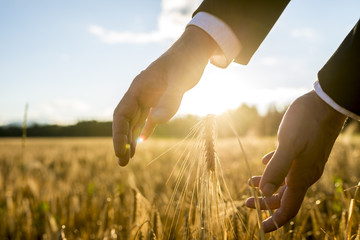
305,33
61,111
174,16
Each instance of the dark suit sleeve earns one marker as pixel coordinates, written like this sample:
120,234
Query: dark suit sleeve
250,20
340,77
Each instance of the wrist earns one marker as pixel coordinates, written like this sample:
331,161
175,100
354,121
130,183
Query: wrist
196,42
228,44
326,111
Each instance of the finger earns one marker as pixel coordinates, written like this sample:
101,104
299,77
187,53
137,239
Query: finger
167,106
149,127
124,157
276,170
136,137
126,109
121,147
123,160
290,205
121,140
136,125
140,121
132,136
272,202
267,157
133,144
254,181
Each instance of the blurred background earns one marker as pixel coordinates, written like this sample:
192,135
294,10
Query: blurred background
73,61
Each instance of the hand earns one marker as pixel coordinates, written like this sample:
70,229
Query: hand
160,87
306,136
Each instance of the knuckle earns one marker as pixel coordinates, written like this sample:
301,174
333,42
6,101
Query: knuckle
315,175
278,173
284,214
290,212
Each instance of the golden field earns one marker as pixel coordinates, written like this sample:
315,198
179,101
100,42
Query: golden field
72,188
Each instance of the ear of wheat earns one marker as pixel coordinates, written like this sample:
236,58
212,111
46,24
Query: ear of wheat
198,202
209,136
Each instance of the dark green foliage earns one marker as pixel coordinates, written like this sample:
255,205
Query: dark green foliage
81,129
246,120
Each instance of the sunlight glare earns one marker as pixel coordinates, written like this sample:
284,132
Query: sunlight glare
141,139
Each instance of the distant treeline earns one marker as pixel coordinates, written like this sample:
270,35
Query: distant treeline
245,120
81,129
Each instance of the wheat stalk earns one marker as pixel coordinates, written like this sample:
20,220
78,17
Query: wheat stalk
252,189
156,224
198,190
350,214
209,132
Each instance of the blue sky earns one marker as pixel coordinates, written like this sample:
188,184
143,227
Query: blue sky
73,60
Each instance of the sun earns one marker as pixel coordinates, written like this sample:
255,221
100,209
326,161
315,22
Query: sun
220,90
214,94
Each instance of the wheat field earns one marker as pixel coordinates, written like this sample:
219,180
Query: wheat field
72,188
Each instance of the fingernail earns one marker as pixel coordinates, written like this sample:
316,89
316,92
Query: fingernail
249,202
251,182
268,189
122,162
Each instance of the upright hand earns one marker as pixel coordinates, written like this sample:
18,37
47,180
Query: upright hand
160,88
306,136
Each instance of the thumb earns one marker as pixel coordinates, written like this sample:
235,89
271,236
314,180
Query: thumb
167,106
276,170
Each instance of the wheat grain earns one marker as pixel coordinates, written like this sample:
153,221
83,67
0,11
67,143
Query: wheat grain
209,132
156,224
199,184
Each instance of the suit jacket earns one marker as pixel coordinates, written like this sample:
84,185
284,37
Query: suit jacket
252,20
340,77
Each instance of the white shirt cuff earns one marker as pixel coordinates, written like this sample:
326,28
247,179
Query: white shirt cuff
332,103
229,44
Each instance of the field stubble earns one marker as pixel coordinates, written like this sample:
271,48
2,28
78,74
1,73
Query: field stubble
73,188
